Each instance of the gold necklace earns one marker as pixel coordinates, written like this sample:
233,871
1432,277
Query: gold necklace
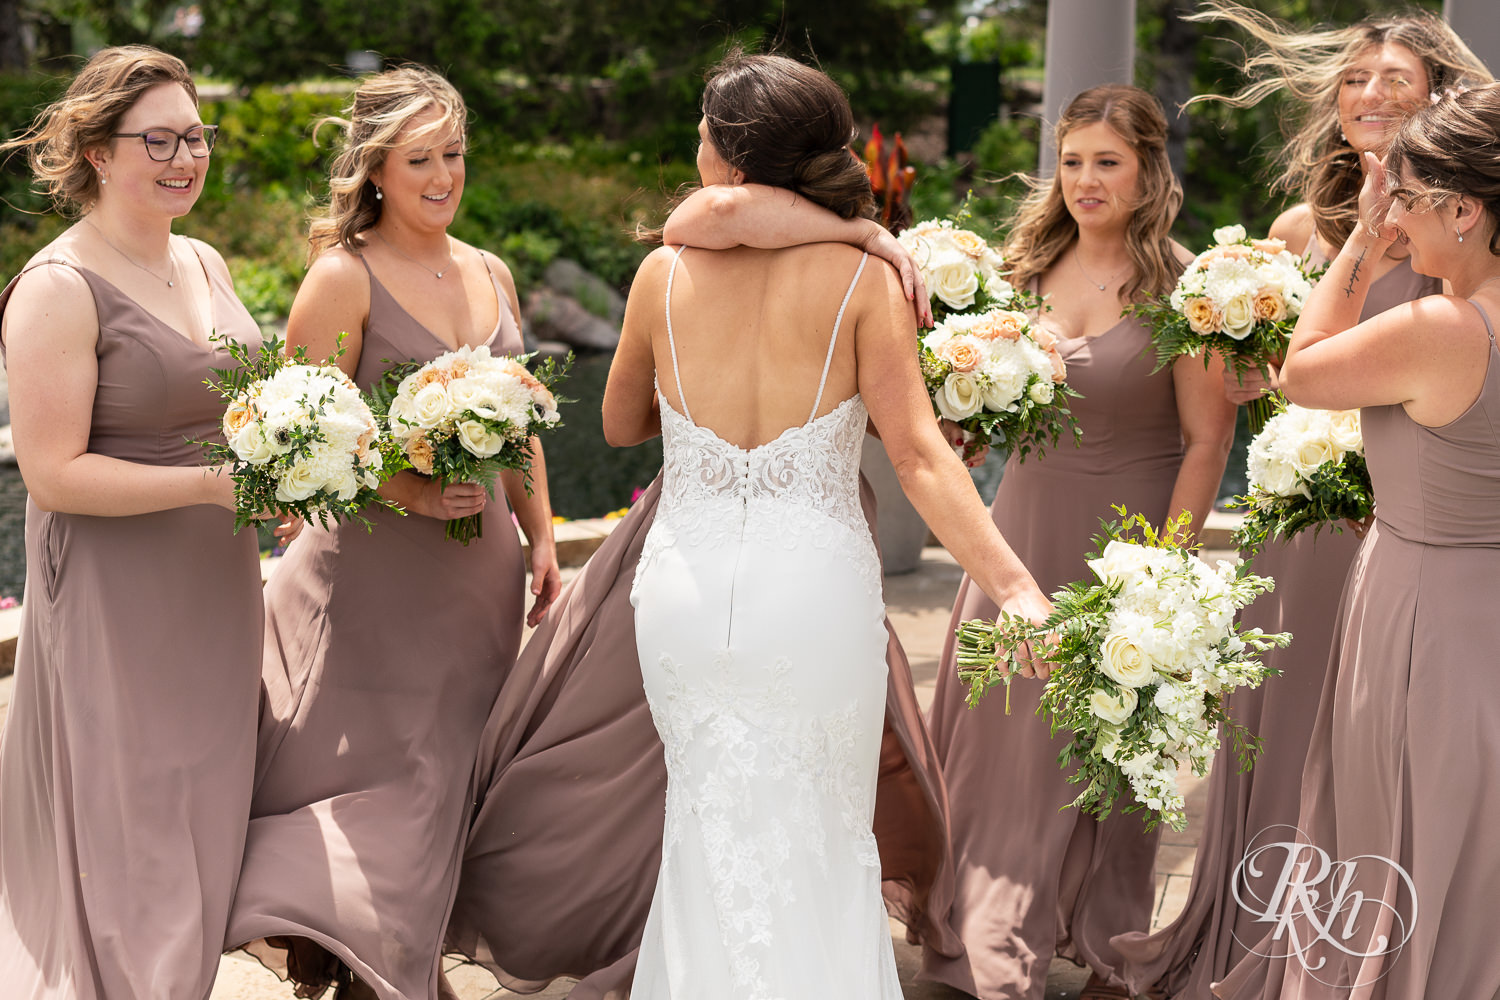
436,274
171,257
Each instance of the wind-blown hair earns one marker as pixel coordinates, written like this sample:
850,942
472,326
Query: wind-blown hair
87,115
1044,229
787,125
1452,149
1317,165
378,116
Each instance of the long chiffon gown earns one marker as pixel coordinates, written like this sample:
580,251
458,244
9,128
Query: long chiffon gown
1034,878
384,651
566,844
1405,742
762,649
1252,808
129,750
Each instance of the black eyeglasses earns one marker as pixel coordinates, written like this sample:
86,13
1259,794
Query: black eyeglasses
162,143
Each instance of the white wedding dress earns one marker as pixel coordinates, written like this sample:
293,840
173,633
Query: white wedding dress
759,624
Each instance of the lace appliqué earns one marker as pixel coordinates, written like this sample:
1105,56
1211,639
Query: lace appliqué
727,729
781,494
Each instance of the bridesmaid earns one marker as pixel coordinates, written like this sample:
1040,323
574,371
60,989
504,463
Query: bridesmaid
1357,83
1406,732
128,754
1035,878
385,649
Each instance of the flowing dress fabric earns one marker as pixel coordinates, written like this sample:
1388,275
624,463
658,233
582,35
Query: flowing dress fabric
129,750
1034,877
565,847
759,630
1405,741
1255,807
384,651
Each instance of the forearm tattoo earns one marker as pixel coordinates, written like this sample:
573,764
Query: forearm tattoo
1354,274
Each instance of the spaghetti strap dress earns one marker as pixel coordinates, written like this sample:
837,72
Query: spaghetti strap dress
384,650
129,748
1245,809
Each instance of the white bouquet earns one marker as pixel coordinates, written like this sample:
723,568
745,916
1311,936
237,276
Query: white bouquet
1142,662
1240,299
299,438
961,270
1305,469
466,415
998,376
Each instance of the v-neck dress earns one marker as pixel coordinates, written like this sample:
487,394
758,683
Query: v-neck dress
1033,877
129,748
384,651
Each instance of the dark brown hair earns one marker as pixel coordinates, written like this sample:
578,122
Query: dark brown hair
87,115
787,125
1452,149
1044,229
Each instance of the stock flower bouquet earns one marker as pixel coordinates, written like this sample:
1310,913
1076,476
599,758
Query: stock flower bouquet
1240,299
999,377
466,415
1305,469
1141,663
299,438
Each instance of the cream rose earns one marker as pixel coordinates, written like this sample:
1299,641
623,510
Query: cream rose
1344,433
1126,663
1202,315
250,445
477,439
1239,316
955,282
1312,453
430,405
1229,234
297,483
959,396
1041,391
1119,561
1111,706
963,353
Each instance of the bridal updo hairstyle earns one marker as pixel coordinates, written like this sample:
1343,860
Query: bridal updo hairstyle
1044,229
383,107
787,125
1451,148
86,117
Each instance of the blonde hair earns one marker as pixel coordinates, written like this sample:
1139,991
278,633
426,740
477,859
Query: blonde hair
86,117
1043,228
1317,165
1452,148
379,114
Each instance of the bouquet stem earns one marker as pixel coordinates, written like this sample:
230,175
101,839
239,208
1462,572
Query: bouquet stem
1259,410
465,529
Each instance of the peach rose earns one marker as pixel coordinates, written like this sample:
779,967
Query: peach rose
1202,315
1000,326
1269,247
239,413
963,353
1045,339
419,453
1270,305
969,243
428,377
1059,368
459,369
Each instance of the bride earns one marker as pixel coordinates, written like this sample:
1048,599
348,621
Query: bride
758,594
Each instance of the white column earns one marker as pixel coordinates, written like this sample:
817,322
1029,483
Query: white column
1089,42
1478,24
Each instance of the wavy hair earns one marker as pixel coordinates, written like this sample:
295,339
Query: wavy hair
87,115
1317,165
1043,229
1452,148
377,120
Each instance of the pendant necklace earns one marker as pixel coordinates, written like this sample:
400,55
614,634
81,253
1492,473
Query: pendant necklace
171,257
1089,278
435,274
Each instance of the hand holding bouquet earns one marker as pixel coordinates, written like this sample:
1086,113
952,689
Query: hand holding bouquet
466,415
299,438
1305,469
999,376
1142,663
1240,299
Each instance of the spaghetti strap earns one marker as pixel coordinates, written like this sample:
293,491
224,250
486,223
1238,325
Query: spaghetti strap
672,343
484,258
1486,317
832,340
